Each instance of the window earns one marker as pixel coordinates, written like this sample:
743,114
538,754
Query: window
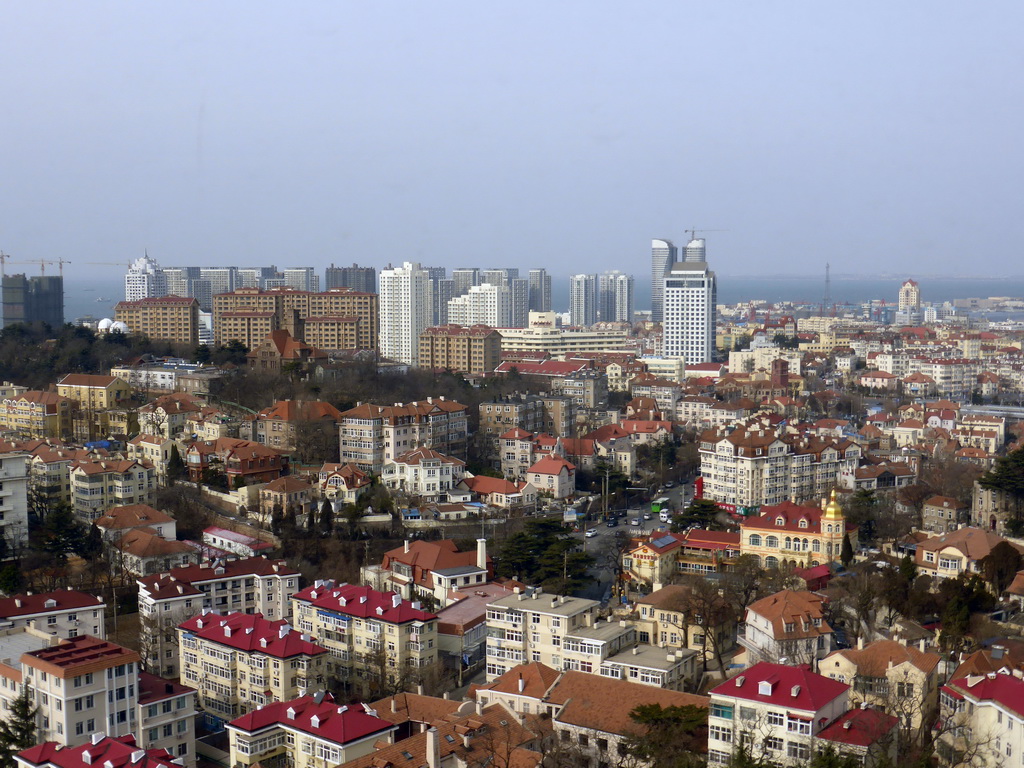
720,733
776,718
773,743
721,710
798,750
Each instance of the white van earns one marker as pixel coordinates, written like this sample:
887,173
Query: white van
665,516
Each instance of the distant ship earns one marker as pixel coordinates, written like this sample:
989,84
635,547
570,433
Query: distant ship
101,298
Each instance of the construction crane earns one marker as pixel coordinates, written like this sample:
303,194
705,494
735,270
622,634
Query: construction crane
6,259
693,231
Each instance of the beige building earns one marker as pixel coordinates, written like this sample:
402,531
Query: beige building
96,486
960,551
252,585
307,732
240,661
423,472
371,435
983,718
469,350
369,634
895,678
247,326
798,535
168,318
332,313
942,514
36,414
670,618
64,613
788,627
544,335
94,391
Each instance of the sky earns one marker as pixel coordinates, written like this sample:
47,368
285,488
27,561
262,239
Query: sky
880,137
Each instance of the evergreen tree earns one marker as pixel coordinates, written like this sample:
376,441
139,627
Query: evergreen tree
702,513
17,729
61,533
1007,476
326,518
11,580
1001,565
175,466
91,547
672,737
846,554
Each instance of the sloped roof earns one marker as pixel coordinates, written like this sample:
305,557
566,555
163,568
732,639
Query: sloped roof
115,752
536,679
326,719
286,484
65,599
145,542
551,465
362,602
1004,688
799,608
974,543
299,410
419,455
791,687
132,516
485,486
87,380
874,659
251,632
859,727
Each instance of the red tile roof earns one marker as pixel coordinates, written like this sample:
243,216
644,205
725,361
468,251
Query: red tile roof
78,656
362,602
64,599
551,465
326,719
1003,688
164,583
87,380
485,486
153,688
299,410
121,752
251,632
792,687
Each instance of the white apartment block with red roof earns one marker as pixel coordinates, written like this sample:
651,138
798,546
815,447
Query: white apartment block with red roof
250,585
787,627
63,613
79,686
983,716
429,569
775,708
553,476
308,732
14,471
357,624
239,661
167,714
96,486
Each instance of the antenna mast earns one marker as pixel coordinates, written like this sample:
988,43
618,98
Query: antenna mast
828,289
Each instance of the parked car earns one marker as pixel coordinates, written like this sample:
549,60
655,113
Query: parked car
612,522
591,533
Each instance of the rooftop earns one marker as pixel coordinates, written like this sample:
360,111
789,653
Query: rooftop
78,656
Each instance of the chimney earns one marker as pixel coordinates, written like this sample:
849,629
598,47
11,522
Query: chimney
433,749
522,684
406,545
481,553
394,704
97,737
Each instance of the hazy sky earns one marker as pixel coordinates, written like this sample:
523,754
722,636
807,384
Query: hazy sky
881,136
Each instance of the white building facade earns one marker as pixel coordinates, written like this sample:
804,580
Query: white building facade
690,298
405,311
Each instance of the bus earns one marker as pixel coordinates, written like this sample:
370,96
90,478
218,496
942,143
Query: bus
659,505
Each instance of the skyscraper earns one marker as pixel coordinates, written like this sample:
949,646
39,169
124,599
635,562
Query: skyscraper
663,256
144,280
465,278
485,304
357,278
301,278
690,298
615,297
405,311
33,299
910,296
540,290
256,277
222,279
583,299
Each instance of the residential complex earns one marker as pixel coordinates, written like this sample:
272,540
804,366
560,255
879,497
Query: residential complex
474,350
161,318
405,311
63,613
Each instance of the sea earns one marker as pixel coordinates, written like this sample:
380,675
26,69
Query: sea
96,297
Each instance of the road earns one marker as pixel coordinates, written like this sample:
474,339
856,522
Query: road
607,542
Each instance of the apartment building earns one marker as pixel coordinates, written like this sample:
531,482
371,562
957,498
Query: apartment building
250,585
240,661
671,618
124,752
340,315
14,486
371,435
368,633
565,633
543,334
96,486
167,714
63,613
982,717
473,350
248,327
79,685
587,389
423,472
35,413
94,391
748,467
167,318
524,412
786,714
886,675
307,732
430,569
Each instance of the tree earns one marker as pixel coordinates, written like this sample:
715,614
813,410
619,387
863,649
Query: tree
175,466
61,533
846,554
1007,476
326,518
702,513
671,737
830,758
545,553
17,729
91,547
1001,565
11,580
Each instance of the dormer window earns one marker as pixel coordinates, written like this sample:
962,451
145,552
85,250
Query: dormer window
764,688
803,522
780,520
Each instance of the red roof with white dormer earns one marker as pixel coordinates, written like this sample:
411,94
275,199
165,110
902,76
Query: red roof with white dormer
319,715
121,752
551,465
362,602
46,602
251,632
792,687
787,517
1002,688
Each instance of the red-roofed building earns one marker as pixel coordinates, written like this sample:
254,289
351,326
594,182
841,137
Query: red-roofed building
553,476
240,661
550,368
788,706
278,349
307,732
252,585
867,735
356,623
342,481
286,422
991,705
803,536
96,486
423,472
430,569
787,625
64,613
243,461
167,714
501,493
100,750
